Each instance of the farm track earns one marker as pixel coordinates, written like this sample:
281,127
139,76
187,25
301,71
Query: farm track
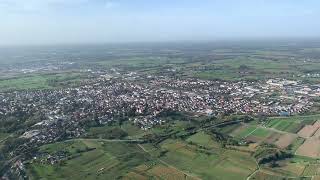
6,138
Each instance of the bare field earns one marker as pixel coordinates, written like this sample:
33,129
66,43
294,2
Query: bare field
317,133
317,124
273,138
309,130
285,140
254,139
310,148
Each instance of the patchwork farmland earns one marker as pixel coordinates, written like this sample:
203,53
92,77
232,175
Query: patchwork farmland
199,155
300,136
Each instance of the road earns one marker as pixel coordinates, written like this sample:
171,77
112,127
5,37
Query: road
6,138
107,140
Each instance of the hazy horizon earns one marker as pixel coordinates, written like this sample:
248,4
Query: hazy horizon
37,22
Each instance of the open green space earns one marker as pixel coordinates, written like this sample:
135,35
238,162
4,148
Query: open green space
33,82
208,165
296,144
142,62
133,131
306,118
282,125
311,170
251,65
89,159
260,132
41,81
246,131
3,136
203,139
95,159
204,158
291,124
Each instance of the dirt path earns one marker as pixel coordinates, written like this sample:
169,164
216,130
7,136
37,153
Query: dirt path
143,148
6,138
251,133
254,172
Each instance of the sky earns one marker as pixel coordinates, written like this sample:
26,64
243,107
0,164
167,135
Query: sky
113,21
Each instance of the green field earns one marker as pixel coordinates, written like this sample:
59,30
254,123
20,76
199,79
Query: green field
296,144
262,133
203,158
259,64
229,129
104,160
290,125
312,169
96,159
281,125
34,82
143,63
310,118
245,132
3,136
203,139
133,131
224,165
43,81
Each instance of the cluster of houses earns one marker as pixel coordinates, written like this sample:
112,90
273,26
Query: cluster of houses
142,99
26,67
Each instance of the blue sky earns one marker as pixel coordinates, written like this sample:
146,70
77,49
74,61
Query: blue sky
103,21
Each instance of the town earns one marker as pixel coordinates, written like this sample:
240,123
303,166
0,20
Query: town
142,99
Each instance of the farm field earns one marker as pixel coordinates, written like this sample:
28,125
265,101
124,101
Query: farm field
285,125
3,136
299,169
34,82
89,159
296,144
197,157
310,148
309,130
265,176
298,136
285,140
243,131
94,159
41,81
262,133
206,164
133,131
145,172
307,119
286,169
254,134
274,137
203,139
